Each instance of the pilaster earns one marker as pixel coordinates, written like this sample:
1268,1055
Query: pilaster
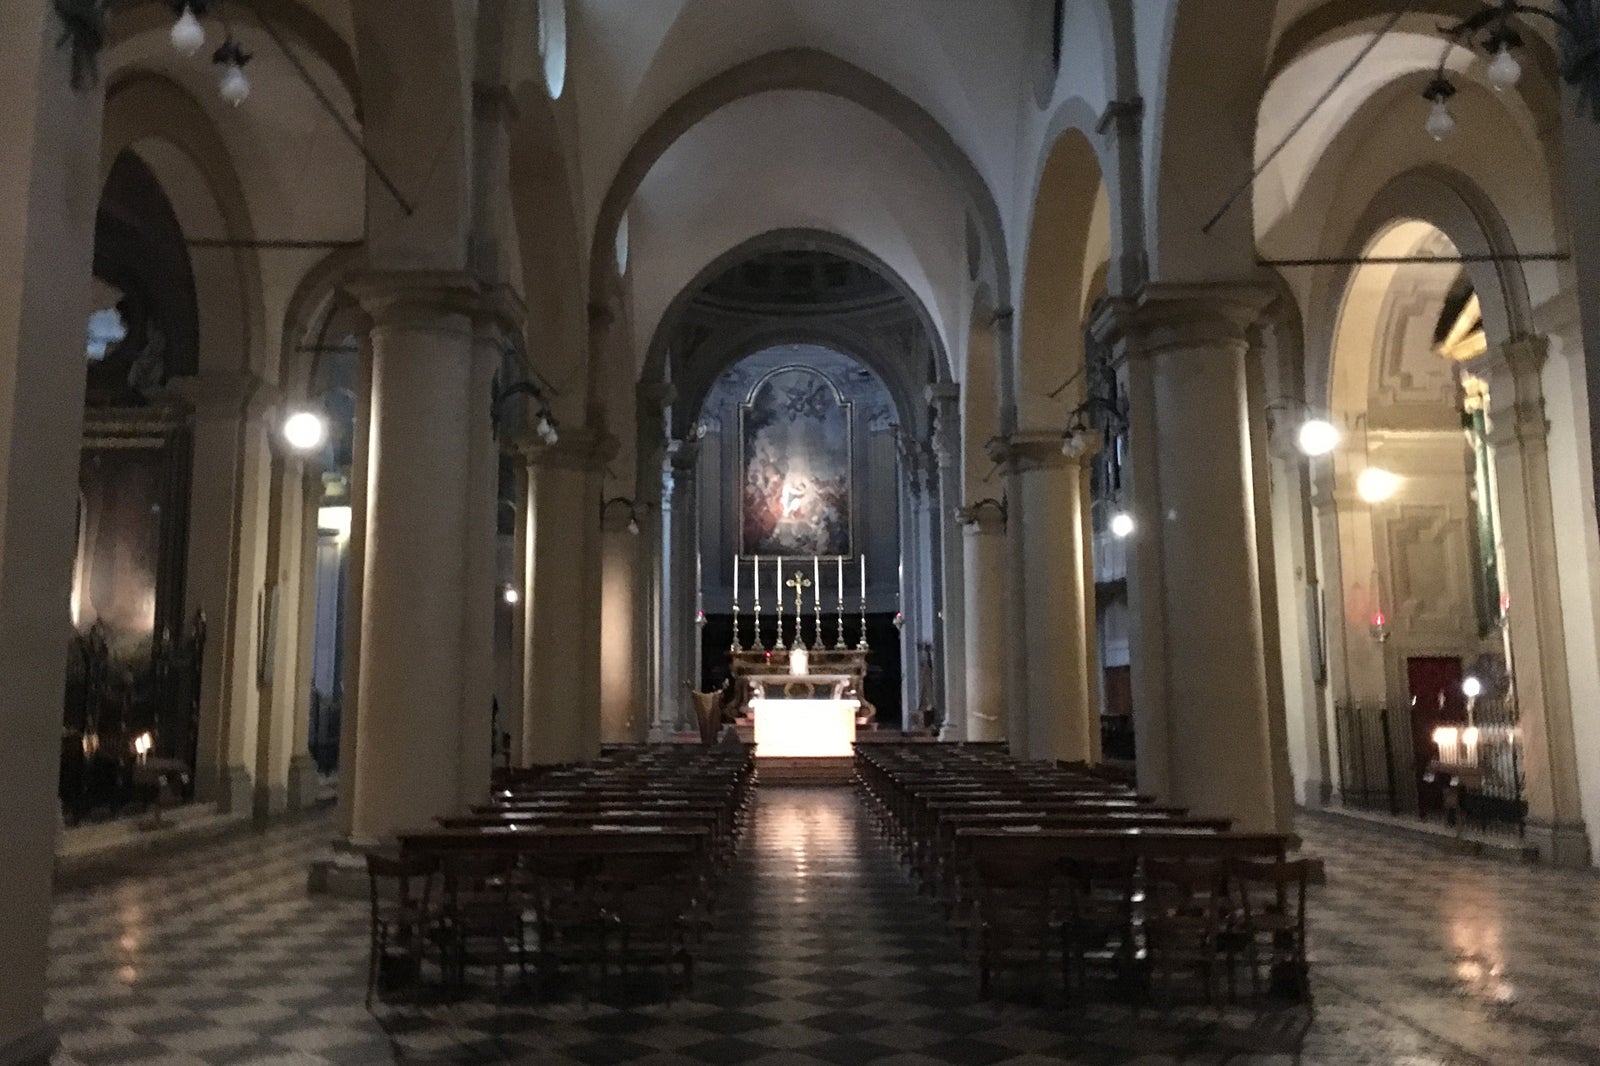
1518,440
944,398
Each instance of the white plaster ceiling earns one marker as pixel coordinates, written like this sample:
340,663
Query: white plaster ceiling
631,60
800,160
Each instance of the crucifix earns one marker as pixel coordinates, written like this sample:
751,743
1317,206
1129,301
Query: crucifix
799,583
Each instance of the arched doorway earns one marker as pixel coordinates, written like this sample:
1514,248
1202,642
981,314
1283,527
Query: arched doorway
1410,541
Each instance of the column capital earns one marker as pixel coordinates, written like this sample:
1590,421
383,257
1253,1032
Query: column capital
1023,453
1164,317
227,394
983,517
945,399
1516,389
1121,118
418,298
582,449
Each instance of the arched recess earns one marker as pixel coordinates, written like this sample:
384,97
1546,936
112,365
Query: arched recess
663,363
172,134
807,69
1449,202
1069,242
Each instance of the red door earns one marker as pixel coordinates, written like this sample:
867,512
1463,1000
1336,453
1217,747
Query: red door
1436,700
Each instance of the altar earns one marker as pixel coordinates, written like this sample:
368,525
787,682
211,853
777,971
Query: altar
811,716
805,704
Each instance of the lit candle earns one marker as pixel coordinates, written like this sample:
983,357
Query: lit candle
755,570
816,580
840,561
736,579
863,581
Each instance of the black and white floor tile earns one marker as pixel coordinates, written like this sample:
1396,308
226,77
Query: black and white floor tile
824,954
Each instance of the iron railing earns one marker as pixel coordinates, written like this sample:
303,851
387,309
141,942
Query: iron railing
1368,776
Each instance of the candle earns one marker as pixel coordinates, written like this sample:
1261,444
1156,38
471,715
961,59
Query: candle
736,579
699,587
755,569
863,581
816,581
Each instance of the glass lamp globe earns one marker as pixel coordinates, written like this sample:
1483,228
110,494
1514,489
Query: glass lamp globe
1317,437
305,431
188,35
1504,70
1441,123
1471,688
1122,525
1375,485
235,87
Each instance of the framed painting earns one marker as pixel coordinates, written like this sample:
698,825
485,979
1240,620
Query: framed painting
795,431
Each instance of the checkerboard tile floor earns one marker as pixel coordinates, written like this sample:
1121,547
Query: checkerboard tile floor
823,954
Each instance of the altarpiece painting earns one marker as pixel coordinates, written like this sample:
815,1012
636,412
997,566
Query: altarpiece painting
795,447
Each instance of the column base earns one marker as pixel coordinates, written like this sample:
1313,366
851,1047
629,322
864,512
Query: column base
1563,844
1315,795
342,872
235,790
30,1049
270,801
305,783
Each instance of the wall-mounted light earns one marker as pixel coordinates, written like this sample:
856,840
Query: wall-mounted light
305,431
973,513
510,595
1471,687
621,505
1122,525
1376,485
1317,437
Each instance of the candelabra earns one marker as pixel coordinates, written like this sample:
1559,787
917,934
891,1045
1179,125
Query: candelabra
861,645
755,643
838,638
816,602
736,646
780,645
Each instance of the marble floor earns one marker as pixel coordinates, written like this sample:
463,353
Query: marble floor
823,953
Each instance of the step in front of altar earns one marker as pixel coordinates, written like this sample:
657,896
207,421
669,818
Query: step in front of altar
802,770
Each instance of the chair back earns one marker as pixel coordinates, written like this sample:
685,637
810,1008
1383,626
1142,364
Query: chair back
1270,886
411,878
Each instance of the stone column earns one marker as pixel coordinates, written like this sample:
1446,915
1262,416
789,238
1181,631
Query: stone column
354,596
229,526
511,705
983,524
912,509
409,758
945,400
561,717
1519,441
499,317
1057,713
48,168
1200,672
284,597
685,635
620,719
303,780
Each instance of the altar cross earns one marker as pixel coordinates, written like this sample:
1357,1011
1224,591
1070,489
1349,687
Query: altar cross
799,583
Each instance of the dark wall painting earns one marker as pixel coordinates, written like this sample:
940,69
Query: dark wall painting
795,439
